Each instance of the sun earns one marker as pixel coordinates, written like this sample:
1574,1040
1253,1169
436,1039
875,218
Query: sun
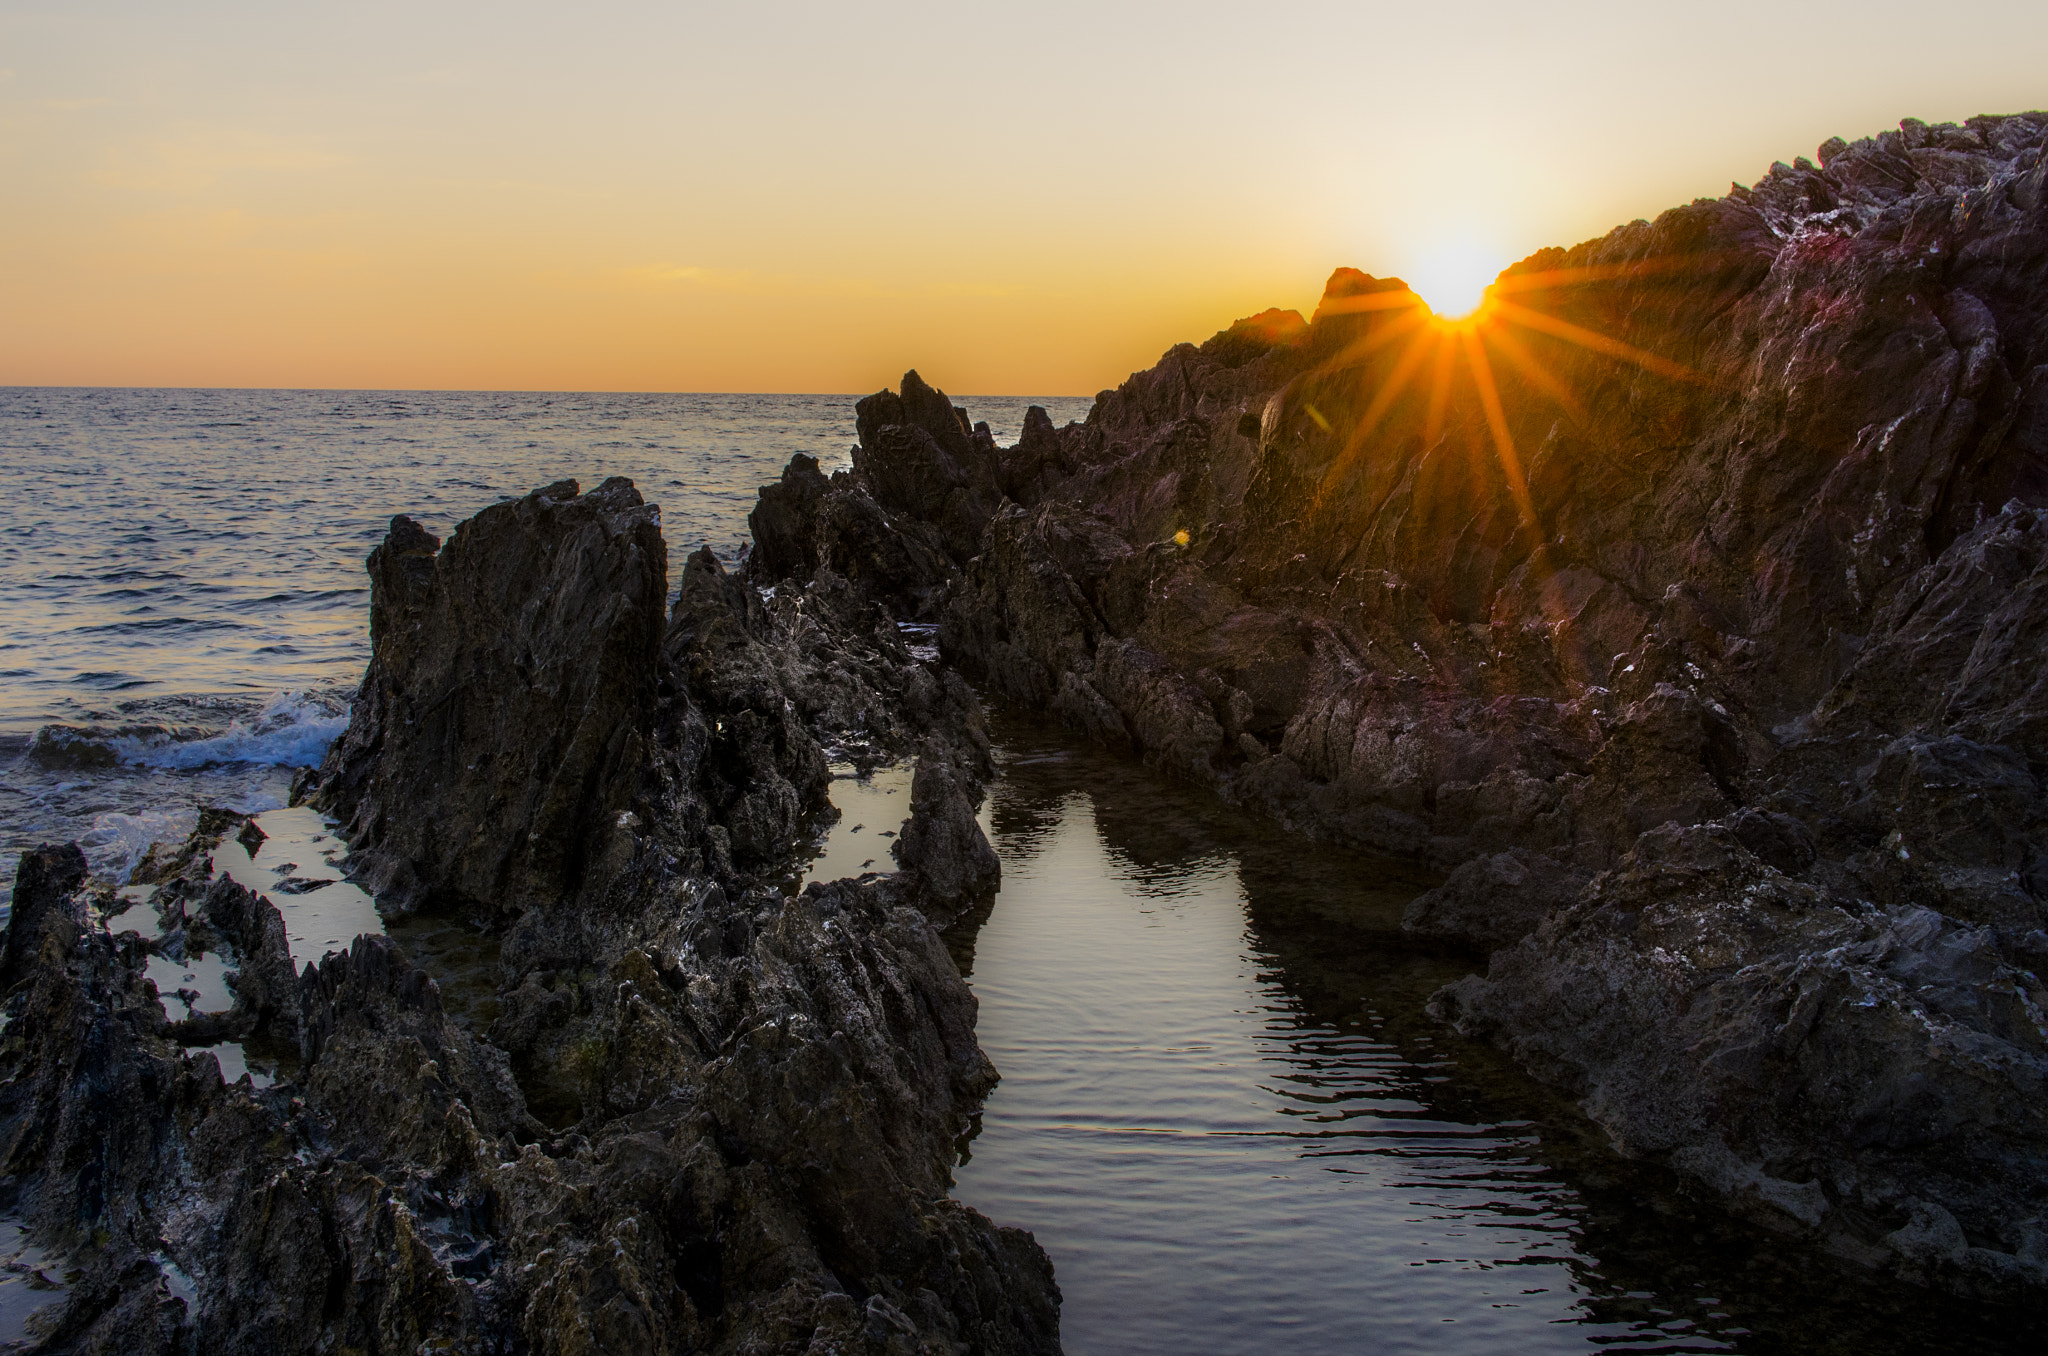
1467,318
1452,278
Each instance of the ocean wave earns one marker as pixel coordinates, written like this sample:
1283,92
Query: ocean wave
116,843
293,729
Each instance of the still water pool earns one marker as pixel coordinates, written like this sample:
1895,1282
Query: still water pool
1225,1115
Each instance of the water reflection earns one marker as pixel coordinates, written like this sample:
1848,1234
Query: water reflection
1226,1117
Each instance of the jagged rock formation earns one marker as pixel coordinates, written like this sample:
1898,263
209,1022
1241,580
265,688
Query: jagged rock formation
524,654
1688,604
708,1116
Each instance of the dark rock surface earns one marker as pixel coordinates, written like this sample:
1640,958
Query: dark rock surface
1686,607
708,1115
1495,900
952,866
523,658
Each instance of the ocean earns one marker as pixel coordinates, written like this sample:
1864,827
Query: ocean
183,608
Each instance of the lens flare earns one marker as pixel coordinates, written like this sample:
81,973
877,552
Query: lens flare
1453,278
1467,314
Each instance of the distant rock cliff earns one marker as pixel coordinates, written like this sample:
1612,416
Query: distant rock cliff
1692,603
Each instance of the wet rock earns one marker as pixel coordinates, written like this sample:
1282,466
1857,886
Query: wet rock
266,984
806,523
784,522
1163,708
46,899
920,458
1748,621
1825,1067
761,768
707,1115
1777,840
165,861
1031,607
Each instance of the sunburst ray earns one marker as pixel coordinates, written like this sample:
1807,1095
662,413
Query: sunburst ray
1595,341
1382,401
1525,363
1440,387
1497,423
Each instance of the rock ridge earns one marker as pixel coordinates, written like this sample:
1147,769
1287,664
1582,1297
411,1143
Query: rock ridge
1684,607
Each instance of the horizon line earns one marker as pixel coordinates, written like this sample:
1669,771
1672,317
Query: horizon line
522,390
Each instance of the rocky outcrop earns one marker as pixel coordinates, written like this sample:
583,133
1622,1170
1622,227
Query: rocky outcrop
505,717
707,1114
46,885
1683,607
1869,1077
919,457
1493,901
952,866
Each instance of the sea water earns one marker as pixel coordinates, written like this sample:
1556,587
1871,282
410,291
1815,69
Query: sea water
183,608
1222,1112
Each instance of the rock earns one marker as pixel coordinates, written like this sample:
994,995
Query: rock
1494,901
512,689
806,524
784,522
251,836
942,844
920,458
266,984
165,861
1711,1011
708,1116
1746,615
46,884
761,770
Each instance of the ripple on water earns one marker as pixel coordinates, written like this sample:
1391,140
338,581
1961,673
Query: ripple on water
1225,1117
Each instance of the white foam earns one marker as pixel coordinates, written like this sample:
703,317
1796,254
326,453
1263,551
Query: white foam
292,730
116,841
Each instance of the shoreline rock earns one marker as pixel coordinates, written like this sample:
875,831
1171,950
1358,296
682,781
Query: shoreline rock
709,1115
1704,657
1693,626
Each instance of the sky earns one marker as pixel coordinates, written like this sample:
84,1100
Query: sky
813,197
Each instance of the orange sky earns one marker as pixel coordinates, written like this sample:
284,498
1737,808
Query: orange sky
814,197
